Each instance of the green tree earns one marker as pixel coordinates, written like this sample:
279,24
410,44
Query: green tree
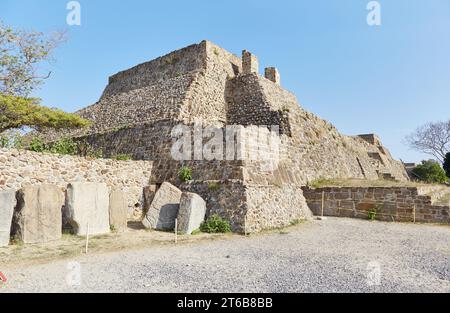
21,53
447,164
430,172
18,112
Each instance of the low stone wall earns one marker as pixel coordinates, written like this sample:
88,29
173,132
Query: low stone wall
400,204
251,208
19,168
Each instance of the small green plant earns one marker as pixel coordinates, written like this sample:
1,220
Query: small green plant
373,213
215,224
11,139
122,157
4,141
321,182
36,145
185,174
213,186
113,228
64,146
216,52
196,232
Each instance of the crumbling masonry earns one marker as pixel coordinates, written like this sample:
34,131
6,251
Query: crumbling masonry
205,83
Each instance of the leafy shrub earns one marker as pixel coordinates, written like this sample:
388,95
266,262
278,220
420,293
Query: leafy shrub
447,165
36,145
185,174
215,224
372,214
64,146
431,172
11,139
122,157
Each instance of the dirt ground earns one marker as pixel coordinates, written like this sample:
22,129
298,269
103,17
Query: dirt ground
18,254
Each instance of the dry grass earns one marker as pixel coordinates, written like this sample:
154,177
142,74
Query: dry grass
324,182
18,254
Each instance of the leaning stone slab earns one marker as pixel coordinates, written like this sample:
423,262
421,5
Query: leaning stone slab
149,195
37,217
118,209
164,209
192,212
7,203
87,203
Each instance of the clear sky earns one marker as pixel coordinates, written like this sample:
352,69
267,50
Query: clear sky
386,79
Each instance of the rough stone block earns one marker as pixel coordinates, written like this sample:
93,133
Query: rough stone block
149,195
164,209
7,203
192,212
249,63
118,211
87,203
271,73
38,217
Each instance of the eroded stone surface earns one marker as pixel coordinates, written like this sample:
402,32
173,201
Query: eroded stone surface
118,211
87,203
164,209
7,203
37,217
192,212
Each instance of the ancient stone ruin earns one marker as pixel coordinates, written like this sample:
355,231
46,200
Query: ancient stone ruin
207,89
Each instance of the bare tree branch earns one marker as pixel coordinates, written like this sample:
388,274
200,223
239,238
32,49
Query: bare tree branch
432,139
21,53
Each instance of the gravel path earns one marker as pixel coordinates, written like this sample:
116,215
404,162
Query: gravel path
336,255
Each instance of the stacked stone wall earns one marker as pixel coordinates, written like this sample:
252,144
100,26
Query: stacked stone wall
19,168
400,204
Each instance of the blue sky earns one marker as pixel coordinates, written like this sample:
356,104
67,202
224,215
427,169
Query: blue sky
386,79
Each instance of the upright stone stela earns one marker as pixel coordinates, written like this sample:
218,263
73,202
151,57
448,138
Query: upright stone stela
7,203
37,218
87,205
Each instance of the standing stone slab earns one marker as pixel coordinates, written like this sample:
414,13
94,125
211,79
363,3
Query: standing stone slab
37,217
7,203
118,208
192,212
164,209
149,195
87,203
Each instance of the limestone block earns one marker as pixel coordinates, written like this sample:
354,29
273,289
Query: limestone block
37,217
118,210
192,212
87,203
164,209
7,203
149,195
